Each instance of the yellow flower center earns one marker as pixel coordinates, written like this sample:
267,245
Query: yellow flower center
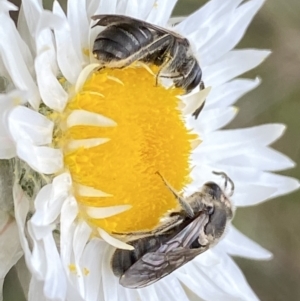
148,135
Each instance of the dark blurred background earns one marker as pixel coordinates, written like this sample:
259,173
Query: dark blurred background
274,224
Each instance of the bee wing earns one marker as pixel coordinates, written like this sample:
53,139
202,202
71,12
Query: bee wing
105,20
171,255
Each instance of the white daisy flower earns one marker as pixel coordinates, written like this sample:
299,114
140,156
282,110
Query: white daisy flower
85,146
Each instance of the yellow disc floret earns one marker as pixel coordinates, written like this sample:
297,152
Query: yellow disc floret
149,136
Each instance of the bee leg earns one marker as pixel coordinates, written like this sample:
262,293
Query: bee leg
167,59
179,76
165,44
183,203
170,69
173,77
202,85
157,51
198,110
100,68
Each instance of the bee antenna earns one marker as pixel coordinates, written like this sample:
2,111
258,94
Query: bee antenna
184,204
227,179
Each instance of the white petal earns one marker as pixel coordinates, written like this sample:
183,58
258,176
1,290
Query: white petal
113,241
175,20
68,227
228,276
129,8
206,15
25,33
170,289
129,294
26,52
37,257
84,74
263,158
40,23
50,199
14,62
228,36
201,20
82,117
32,12
92,6
61,185
21,204
68,215
73,294
41,158
103,212
67,59
41,215
283,184
46,260
88,191
109,281
233,64
196,280
214,119
81,235
10,247
104,7
55,283
154,292
228,93
251,194
86,143
161,12
237,244
195,100
79,27
137,9
259,135
207,259
36,288
12,98
92,265
48,20
53,94
25,123
6,6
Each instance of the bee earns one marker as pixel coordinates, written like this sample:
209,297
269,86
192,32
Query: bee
202,223
126,40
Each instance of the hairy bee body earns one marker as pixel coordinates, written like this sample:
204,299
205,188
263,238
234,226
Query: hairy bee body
118,45
202,223
126,40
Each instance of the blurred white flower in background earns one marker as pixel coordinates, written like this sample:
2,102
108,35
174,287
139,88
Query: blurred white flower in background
75,153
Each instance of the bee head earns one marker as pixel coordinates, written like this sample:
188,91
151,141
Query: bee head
219,210
218,203
213,190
